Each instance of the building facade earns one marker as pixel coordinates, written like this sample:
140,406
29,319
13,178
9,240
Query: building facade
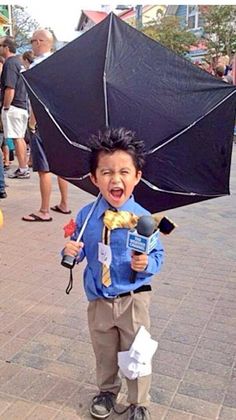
5,20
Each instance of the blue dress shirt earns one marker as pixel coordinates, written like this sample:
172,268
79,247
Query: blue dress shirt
120,268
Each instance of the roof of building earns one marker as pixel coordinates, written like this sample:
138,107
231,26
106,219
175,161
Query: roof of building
171,10
92,15
126,14
3,19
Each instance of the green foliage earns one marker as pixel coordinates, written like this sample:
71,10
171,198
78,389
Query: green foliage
220,29
169,32
22,26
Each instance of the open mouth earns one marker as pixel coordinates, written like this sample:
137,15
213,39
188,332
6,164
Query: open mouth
116,193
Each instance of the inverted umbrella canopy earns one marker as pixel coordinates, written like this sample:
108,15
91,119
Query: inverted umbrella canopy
114,76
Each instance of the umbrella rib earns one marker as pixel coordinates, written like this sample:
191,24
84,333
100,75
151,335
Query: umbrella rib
191,125
105,74
80,178
154,187
73,143
88,217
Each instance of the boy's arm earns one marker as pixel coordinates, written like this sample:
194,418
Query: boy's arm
155,260
72,247
8,97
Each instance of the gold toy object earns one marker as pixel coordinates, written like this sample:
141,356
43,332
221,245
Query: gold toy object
1,218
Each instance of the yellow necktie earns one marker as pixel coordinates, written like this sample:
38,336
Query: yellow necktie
113,220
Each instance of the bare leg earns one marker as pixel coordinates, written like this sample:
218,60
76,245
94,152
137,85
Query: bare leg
45,184
21,152
6,154
2,182
63,187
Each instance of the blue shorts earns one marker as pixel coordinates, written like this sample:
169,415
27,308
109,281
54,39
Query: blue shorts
39,160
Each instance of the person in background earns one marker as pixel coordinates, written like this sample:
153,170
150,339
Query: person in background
14,104
4,150
220,74
3,193
42,44
4,147
27,58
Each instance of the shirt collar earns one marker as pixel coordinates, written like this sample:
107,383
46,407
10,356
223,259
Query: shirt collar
44,55
103,205
39,59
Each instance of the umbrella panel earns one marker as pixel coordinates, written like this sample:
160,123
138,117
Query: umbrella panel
115,75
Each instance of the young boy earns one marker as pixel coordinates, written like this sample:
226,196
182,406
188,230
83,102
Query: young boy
117,307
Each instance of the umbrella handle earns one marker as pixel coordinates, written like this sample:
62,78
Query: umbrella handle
68,261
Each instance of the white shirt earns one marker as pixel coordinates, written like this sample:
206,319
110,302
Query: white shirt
40,58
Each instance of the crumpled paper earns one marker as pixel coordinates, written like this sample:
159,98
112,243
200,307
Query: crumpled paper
136,362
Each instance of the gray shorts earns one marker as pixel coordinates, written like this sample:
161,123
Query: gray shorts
14,122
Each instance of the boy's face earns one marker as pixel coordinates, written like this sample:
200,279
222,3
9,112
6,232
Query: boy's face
116,177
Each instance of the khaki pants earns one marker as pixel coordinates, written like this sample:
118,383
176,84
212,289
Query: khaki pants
113,324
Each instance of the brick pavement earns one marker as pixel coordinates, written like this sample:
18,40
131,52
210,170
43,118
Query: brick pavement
47,368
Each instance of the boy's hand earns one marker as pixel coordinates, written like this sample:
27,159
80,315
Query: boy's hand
73,248
139,261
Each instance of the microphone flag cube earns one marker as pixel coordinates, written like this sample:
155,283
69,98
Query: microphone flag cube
140,243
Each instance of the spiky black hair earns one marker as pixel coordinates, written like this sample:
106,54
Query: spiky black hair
115,139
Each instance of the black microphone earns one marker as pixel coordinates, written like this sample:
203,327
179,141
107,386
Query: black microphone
146,226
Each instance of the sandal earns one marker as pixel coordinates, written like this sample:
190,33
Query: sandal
34,218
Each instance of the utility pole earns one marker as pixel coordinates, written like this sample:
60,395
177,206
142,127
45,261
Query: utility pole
138,16
10,20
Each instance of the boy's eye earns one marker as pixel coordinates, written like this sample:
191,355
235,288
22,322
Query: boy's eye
124,172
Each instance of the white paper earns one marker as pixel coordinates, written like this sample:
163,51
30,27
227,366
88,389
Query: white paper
132,369
136,362
144,352
104,254
124,365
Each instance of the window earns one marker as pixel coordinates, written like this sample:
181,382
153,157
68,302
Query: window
191,22
194,19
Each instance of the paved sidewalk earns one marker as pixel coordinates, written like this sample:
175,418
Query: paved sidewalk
47,368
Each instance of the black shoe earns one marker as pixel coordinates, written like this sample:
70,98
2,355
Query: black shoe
139,413
102,405
3,194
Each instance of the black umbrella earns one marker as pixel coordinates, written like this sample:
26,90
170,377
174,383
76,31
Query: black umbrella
114,76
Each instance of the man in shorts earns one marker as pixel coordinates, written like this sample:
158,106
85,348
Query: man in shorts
14,104
42,45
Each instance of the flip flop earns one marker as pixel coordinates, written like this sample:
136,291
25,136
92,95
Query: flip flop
36,218
58,210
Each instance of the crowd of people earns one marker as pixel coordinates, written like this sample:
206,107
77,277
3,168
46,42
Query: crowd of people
222,68
19,126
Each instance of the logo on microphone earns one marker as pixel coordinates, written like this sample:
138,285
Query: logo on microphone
141,243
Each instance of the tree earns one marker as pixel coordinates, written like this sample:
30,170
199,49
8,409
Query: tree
169,32
22,26
219,29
